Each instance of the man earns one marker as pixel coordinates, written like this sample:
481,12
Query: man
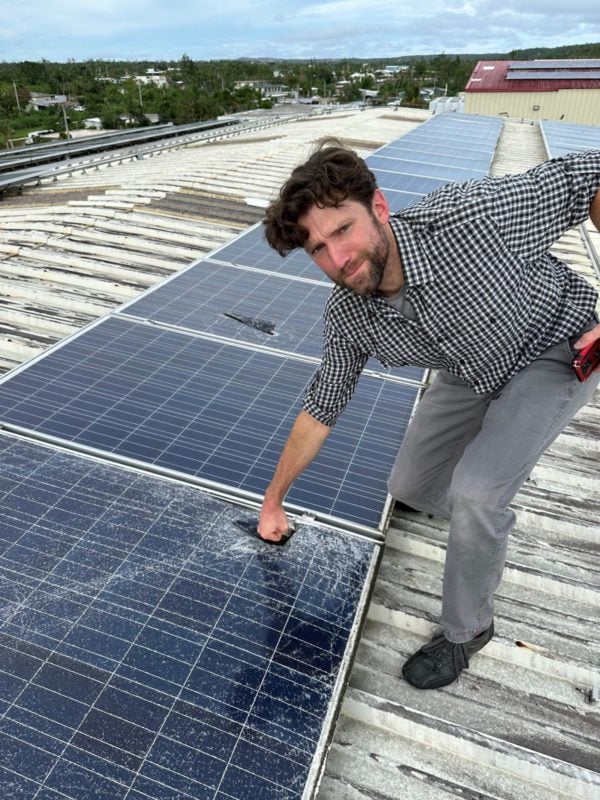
461,282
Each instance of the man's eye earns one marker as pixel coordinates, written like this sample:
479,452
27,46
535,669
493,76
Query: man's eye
317,249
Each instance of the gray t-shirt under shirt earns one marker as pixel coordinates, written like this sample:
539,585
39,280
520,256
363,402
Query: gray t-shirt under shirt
401,304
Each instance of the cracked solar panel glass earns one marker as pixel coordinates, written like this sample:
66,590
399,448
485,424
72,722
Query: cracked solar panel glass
268,310
251,250
151,649
218,412
231,302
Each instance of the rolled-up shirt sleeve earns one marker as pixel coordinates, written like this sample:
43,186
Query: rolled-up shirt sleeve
534,209
333,384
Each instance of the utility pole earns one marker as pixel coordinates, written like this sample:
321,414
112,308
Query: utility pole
66,119
17,96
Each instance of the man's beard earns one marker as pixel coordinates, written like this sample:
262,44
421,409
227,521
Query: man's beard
369,281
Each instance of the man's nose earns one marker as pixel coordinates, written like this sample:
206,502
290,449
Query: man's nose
338,255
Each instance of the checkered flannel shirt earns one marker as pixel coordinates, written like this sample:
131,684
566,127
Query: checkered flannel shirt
488,296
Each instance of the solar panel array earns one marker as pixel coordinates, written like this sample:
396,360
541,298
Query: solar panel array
554,64
150,647
555,75
211,410
448,147
562,137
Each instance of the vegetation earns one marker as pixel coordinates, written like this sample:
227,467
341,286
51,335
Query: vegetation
197,90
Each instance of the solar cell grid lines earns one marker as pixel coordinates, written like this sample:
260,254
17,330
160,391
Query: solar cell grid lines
216,298
422,153
385,164
217,412
556,75
150,649
260,309
251,250
562,138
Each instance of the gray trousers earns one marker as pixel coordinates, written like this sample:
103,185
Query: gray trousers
465,456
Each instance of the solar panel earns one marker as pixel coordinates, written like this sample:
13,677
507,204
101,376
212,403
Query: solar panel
227,301
403,167
251,250
218,412
562,63
398,200
267,310
555,75
150,649
408,183
562,138
421,152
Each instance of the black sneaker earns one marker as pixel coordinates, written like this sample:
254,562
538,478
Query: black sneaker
400,506
441,661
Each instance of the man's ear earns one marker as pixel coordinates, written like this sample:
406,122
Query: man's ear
380,207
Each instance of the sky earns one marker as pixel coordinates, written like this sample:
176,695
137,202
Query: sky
59,30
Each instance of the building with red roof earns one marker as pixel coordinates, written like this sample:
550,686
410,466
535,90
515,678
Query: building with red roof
561,89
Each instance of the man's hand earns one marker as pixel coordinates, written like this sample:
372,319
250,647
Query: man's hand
273,523
587,339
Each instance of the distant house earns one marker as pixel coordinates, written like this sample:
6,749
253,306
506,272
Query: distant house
39,101
267,89
394,69
156,76
560,89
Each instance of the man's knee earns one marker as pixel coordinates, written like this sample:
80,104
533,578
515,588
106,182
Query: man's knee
402,485
478,502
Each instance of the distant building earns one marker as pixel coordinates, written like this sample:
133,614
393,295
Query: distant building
156,76
560,89
39,101
394,69
267,89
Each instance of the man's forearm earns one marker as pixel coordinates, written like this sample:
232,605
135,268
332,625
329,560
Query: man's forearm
304,442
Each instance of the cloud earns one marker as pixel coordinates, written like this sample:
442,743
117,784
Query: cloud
156,29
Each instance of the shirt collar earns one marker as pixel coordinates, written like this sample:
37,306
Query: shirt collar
415,264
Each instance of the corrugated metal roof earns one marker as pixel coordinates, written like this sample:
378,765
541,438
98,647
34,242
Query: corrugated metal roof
520,722
491,76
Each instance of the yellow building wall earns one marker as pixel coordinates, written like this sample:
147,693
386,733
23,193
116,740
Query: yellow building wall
569,105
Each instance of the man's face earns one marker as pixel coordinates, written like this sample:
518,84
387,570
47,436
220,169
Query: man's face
350,243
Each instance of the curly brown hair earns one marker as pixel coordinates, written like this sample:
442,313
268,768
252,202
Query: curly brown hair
331,175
